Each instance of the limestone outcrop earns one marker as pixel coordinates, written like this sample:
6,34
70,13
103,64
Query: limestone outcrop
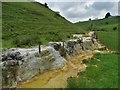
21,64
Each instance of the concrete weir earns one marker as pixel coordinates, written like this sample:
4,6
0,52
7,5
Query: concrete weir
22,64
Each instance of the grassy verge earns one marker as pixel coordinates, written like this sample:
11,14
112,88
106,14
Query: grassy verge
102,72
110,39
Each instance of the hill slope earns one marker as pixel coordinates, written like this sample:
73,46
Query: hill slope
27,23
106,29
102,70
100,24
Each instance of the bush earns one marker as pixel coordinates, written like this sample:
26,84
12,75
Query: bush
107,15
46,5
114,28
57,14
102,29
56,39
26,41
106,22
68,36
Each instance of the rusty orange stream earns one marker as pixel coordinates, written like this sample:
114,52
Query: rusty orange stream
58,78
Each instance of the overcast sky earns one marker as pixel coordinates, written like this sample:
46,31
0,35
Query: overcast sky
82,11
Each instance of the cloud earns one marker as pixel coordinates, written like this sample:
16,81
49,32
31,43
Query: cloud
70,10
80,11
103,5
75,0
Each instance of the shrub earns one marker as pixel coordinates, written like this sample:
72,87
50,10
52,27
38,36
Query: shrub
114,28
107,15
46,5
57,14
68,36
27,40
106,22
56,39
15,41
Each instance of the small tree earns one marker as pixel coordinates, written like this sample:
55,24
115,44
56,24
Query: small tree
89,19
46,5
114,28
107,15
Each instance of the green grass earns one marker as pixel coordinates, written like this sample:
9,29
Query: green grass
110,39
105,75
101,24
105,31
26,24
25,19
31,20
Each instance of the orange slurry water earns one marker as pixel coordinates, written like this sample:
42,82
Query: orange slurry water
58,78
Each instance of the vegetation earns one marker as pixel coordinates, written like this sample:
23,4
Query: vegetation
27,24
107,15
102,72
105,24
46,5
24,21
106,29
31,20
110,39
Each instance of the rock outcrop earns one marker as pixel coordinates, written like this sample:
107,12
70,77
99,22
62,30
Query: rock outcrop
21,64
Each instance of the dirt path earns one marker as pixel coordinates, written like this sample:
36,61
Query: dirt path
58,78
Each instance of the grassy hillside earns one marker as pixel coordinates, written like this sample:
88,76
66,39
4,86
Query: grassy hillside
106,29
105,75
106,24
27,23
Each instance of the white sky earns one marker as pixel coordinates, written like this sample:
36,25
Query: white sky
76,10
